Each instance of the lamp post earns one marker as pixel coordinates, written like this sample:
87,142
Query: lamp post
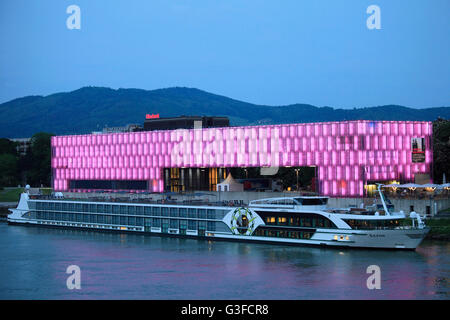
296,172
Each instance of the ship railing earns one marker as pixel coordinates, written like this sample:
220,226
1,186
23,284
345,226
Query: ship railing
194,202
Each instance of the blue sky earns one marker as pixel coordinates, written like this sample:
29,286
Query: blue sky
266,52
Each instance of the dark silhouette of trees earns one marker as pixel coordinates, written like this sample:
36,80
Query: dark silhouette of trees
441,150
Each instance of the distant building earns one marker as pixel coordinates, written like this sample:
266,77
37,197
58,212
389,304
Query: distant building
23,145
127,128
154,122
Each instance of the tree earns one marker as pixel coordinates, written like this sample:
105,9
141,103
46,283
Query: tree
441,150
37,162
7,146
8,170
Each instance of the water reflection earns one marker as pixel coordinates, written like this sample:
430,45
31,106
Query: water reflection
128,266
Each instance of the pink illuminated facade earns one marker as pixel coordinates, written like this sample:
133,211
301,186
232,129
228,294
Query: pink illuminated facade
348,154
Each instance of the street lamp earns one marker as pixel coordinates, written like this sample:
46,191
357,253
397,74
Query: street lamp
296,172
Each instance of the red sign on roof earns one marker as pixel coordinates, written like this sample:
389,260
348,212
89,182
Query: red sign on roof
152,116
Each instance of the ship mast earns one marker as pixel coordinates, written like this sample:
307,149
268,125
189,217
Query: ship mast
382,199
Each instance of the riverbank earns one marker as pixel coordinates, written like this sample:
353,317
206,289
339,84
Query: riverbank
439,229
10,194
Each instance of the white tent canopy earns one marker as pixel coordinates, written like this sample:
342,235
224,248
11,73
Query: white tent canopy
414,185
229,184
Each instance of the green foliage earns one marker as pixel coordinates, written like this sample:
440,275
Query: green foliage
441,150
10,195
8,163
92,108
37,162
7,146
8,169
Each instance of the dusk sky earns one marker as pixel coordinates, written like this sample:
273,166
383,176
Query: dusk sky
318,52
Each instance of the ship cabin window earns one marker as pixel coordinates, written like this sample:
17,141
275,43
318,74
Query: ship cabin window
202,214
192,213
211,226
211,214
372,224
309,220
183,212
192,225
173,212
277,233
312,201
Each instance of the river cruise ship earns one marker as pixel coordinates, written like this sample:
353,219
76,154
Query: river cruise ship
301,220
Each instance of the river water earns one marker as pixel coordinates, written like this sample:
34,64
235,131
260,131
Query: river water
34,261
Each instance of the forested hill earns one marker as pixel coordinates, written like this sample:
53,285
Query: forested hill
93,108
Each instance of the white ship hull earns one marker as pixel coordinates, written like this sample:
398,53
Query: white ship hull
220,223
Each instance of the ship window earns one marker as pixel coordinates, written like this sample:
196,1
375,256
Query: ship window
202,225
211,214
183,224
183,212
174,223
312,201
139,221
192,225
156,222
282,220
268,232
192,213
211,226
131,210
270,220
139,210
371,224
165,212
202,214
174,212
132,221
156,211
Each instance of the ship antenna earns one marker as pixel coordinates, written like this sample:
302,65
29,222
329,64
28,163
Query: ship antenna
379,185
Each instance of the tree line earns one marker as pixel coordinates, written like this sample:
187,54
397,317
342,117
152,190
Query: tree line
33,168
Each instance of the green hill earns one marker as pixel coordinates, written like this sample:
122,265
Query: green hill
92,108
